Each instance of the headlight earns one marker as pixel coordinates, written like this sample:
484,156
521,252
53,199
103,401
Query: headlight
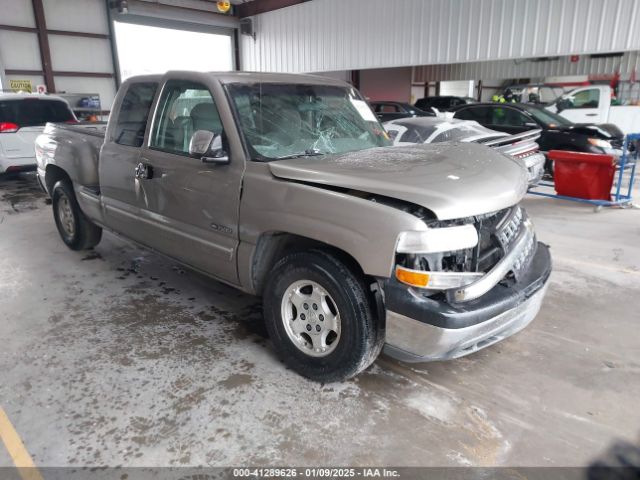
596,142
444,239
435,280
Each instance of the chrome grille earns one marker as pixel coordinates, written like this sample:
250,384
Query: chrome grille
524,256
509,228
500,237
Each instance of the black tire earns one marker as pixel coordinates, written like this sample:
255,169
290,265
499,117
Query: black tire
361,338
84,234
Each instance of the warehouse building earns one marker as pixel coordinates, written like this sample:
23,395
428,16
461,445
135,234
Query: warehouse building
222,248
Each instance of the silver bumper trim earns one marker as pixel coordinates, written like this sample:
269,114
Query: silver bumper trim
487,282
535,168
414,341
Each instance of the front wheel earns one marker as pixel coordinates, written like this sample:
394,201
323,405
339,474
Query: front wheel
320,317
76,231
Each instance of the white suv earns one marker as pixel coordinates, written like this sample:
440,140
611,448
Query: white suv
22,119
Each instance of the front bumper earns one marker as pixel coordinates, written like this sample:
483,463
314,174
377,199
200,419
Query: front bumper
420,328
535,168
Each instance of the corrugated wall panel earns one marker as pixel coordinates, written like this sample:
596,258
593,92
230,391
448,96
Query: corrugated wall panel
500,69
324,35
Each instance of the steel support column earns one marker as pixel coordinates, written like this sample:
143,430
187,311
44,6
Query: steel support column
43,42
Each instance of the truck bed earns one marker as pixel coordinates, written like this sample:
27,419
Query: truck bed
76,148
95,129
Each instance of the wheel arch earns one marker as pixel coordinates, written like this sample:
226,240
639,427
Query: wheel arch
54,174
272,246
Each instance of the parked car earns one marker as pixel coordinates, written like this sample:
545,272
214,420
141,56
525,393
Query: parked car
558,133
436,130
22,119
386,111
295,194
443,103
593,104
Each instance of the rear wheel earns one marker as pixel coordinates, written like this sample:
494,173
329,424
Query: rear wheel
76,231
320,317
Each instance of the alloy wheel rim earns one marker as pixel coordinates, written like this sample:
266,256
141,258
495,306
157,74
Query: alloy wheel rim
65,214
311,318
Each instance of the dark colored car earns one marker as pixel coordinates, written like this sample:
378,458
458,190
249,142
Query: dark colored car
558,133
386,111
443,103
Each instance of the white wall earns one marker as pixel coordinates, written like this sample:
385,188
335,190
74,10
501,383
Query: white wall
76,15
417,92
462,88
324,35
560,66
21,50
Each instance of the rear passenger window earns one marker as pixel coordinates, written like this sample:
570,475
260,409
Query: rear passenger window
442,103
479,114
34,111
507,117
184,108
388,108
133,115
415,135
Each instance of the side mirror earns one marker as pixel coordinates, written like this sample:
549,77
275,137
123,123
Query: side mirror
531,125
563,104
207,146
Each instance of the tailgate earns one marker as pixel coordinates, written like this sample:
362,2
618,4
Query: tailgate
20,144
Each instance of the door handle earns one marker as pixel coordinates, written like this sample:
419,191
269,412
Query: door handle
144,171
591,114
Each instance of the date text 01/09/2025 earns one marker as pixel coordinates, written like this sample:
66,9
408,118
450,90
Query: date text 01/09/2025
315,473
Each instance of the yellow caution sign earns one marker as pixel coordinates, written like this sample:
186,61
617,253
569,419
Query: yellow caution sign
21,85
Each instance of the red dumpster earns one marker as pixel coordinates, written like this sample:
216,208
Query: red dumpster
583,175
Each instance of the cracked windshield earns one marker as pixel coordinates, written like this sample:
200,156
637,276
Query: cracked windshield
289,121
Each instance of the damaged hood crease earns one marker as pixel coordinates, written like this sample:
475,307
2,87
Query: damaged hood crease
452,180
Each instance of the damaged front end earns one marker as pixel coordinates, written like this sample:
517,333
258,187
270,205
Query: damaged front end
463,285
452,255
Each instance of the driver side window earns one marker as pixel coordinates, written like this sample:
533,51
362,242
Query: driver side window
584,99
184,108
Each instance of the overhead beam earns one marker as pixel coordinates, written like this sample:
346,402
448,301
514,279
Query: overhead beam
256,7
10,71
43,42
67,33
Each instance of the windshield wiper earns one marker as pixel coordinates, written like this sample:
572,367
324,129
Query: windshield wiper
307,153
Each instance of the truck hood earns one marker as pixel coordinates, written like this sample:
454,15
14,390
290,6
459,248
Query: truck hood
452,180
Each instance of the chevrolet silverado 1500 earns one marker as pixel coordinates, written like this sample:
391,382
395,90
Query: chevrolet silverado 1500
285,187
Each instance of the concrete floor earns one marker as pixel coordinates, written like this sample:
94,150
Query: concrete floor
120,357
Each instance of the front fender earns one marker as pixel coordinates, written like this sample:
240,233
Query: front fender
366,230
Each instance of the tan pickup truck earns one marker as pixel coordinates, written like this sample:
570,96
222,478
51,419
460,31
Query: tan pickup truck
285,187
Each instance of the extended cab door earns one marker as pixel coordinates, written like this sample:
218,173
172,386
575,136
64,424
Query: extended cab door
120,155
190,208
585,105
